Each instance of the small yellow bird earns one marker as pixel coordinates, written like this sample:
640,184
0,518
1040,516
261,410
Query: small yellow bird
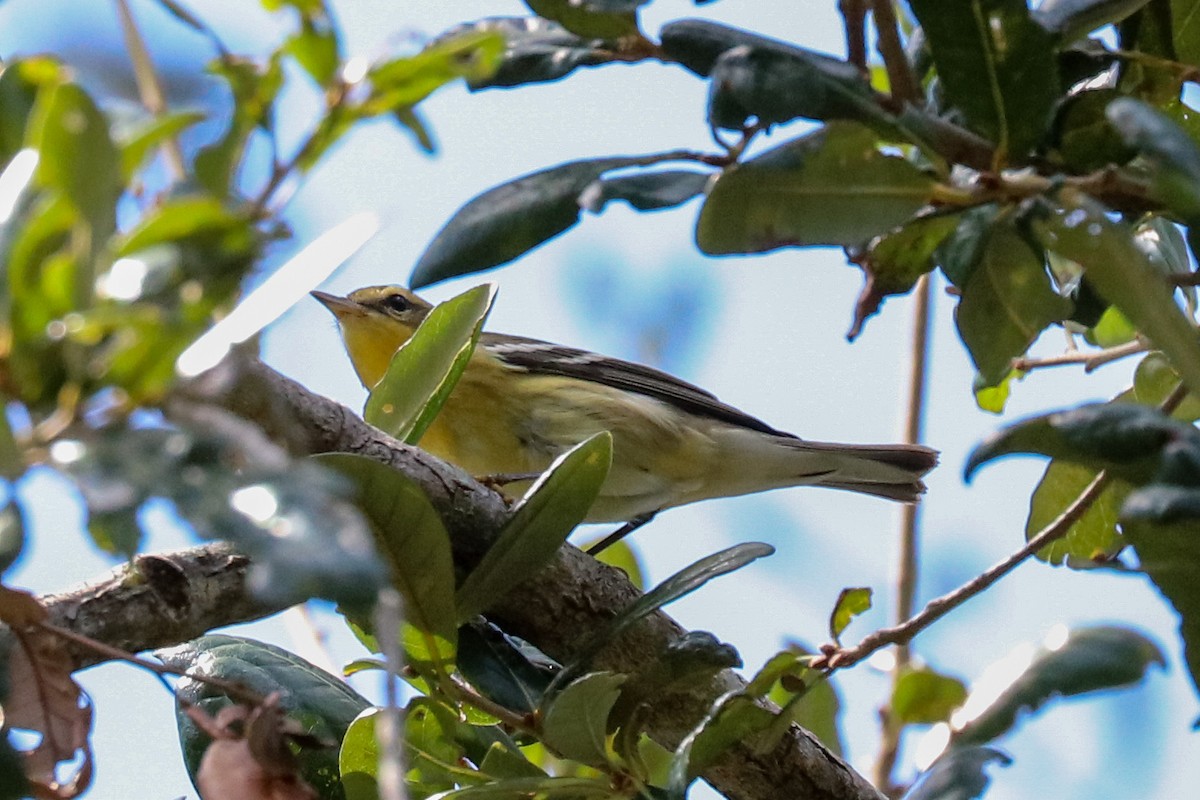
522,402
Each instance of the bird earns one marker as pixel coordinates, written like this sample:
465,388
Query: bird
521,403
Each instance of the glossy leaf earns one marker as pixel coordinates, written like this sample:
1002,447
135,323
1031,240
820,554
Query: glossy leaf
1007,301
735,719
1169,554
556,503
1080,229
1124,439
536,50
410,536
507,221
809,699
645,191
586,19
1091,659
922,696
1175,156
358,758
504,669
426,368
829,187
996,65
322,704
960,774
850,603
773,85
576,723
1072,19
180,218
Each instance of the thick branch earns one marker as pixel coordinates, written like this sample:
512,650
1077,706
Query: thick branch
557,611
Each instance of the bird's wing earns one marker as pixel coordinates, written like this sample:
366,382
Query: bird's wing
545,358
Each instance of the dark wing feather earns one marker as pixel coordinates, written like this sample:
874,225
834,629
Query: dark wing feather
544,358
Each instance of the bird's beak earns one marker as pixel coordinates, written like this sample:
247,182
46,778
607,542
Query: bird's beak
340,306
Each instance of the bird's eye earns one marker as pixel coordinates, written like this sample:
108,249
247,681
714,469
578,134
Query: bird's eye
396,302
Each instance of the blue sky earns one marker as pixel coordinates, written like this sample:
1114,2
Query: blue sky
766,334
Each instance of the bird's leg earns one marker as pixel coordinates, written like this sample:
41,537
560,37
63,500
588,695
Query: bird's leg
494,482
620,533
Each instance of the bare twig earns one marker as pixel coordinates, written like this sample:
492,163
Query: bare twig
908,568
854,18
1090,360
900,77
389,729
149,87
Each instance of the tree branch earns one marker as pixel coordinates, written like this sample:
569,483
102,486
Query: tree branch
170,598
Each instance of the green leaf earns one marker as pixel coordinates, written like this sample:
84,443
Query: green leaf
958,775
1079,228
622,556
828,187
1086,140
1090,659
358,758
962,250
684,582
541,522
645,191
323,705
807,697
254,90
575,724
503,669
994,398
583,19
181,218
1124,439
505,762
316,48
549,788
1169,554
996,65
1173,154
1007,301
777,84
850,603
734,719
426,368
535,50
1186,31
116,531
20,80
471,54
410,536
1093,538
922,696
137,147
12,535
507,221
78,157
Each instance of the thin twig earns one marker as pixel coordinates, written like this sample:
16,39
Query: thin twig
234,690
908,568
854,18
1090,360
389,730
839,658
149,87
903,84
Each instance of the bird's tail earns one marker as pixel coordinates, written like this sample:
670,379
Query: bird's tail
754,462
890,471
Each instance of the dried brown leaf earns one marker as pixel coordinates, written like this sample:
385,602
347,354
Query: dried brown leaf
19,609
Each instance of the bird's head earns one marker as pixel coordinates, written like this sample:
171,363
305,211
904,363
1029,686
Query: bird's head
375,321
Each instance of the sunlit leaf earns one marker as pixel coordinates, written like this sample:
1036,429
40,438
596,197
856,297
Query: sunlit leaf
585,19
425,370
549,788
535,50
539,525
139,145
850,603
1091,659
922,696
472,54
